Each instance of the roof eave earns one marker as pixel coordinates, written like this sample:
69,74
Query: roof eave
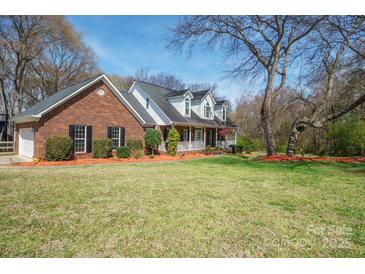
24,119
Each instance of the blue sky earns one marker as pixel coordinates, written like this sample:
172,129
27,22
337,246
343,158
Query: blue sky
125,43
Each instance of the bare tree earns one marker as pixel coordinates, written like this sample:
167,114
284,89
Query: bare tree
24,38
339,45
39,55
161,79
265,44
65,61
121,82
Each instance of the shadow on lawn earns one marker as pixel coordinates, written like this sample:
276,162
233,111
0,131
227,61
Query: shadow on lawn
291,166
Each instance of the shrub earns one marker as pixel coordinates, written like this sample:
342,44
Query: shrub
348,137
102,148
135,144
58,148
257,144
208,150
217,150
172,140
247,144
137,153
281,148
152,139
123,152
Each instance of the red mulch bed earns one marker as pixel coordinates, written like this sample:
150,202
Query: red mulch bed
314,159
91,161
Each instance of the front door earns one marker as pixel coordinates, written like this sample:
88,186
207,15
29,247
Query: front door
209,137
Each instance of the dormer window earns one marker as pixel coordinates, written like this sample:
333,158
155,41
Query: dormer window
187,106
147,102
208,111
224,113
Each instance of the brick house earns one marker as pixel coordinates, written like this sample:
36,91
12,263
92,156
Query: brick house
95,108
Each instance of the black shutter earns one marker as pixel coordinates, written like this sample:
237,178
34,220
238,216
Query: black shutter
89,138
71,133
122,135
109,132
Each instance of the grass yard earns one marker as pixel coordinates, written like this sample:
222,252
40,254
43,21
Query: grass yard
214,207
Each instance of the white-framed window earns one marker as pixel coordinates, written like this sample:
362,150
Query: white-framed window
187,106
198,134
184,136
224,113
80,138
208,111
115,136
147,102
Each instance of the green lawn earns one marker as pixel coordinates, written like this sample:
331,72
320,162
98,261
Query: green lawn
215,207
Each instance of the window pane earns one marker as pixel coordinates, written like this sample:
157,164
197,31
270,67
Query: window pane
207,111
79,145
187,106
115,143
80,132
198,135
115,132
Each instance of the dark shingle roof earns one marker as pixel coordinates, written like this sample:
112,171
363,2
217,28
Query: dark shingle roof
138,107
177,93
198,95
160,96
220,102
51,100
227,123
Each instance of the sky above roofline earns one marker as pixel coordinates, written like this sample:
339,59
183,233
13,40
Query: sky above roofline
123,44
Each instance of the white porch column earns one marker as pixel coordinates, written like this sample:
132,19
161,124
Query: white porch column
235,136
216,136
205,142
189,137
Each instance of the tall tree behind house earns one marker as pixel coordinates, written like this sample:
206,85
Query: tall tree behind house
39,56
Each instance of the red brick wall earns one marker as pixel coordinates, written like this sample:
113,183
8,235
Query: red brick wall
87,108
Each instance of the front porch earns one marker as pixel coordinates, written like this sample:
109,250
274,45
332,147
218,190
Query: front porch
198,138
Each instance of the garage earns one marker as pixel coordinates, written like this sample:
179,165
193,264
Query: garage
26,142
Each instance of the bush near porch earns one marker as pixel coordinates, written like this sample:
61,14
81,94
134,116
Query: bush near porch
172,139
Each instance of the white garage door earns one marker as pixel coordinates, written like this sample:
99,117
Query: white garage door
26,142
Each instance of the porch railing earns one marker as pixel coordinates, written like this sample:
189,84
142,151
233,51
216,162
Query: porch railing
225,144
196,145
185,146
162,147
193,145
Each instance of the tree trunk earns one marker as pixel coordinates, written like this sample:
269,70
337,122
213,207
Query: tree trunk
293,139
4,133
265,115
292,142
266,127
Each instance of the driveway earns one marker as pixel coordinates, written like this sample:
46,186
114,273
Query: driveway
9,159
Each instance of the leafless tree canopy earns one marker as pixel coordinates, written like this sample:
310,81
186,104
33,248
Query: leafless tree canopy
39,55
313,51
